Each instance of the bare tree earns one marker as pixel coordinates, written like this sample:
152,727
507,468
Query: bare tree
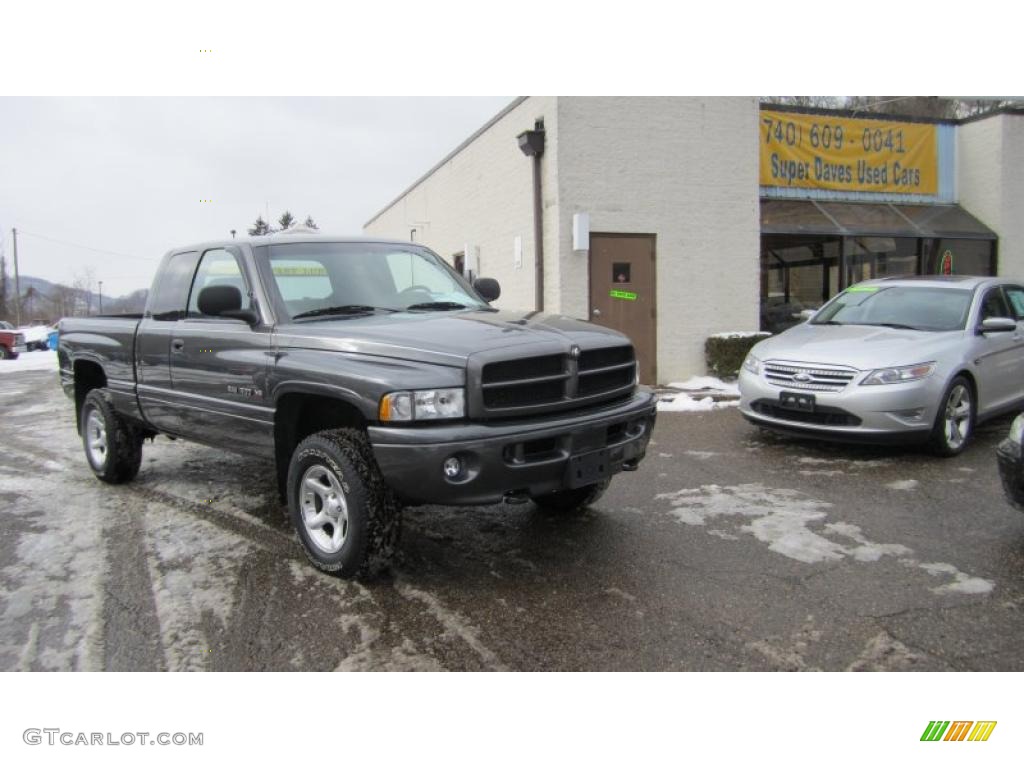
84,285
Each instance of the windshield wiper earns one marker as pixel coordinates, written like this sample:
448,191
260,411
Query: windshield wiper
901,326
344,309
438,305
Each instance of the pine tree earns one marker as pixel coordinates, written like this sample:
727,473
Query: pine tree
311,224
260,227
286,220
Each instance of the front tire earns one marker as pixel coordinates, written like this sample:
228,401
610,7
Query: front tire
571,501
6,354
346,517
113,447
954,423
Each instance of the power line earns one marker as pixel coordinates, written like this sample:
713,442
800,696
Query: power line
87,248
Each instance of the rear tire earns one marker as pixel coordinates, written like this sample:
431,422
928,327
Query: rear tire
113,447
571,501
347,519
954,422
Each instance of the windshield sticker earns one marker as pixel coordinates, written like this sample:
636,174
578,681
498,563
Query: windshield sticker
862,289
300,271
626,295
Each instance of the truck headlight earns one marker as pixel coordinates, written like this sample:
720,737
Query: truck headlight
751,364
1017,430
899,375
423,404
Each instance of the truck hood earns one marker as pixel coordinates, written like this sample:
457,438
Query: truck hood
862,347
443,338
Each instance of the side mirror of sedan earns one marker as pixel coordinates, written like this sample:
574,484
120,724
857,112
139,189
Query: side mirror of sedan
997,325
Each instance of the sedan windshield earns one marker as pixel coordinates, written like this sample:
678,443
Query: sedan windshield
336,280
917,308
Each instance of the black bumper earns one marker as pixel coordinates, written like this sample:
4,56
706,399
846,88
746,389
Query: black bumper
520,458
1011,472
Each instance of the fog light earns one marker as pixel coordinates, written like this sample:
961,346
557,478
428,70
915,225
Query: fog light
452,467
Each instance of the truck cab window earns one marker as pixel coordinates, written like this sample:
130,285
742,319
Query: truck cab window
170,292
218,267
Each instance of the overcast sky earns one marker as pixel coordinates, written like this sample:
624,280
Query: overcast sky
127,175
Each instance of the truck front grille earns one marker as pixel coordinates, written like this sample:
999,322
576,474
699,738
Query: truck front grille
556,381
814,379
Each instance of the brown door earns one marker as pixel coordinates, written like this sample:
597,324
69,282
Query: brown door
622,293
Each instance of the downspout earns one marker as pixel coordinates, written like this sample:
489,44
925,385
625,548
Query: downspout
532,145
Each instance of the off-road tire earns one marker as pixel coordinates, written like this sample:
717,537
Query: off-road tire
374,516
938,443
571,501
123,455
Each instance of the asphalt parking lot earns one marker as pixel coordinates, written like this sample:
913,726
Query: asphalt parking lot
728,550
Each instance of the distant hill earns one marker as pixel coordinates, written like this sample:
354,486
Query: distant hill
45,301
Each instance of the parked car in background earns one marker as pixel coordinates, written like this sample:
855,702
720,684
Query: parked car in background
910,359
1011,463
12,343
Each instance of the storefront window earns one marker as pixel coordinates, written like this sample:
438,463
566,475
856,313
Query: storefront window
801,272
958,256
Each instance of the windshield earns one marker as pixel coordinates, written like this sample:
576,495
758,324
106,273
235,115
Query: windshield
919,308
325,279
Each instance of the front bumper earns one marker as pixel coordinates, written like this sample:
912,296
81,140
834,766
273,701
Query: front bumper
511,458
887,413
1011,472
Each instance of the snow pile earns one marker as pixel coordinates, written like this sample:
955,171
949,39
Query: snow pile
683,402
740,335
34,333
30,361
711,384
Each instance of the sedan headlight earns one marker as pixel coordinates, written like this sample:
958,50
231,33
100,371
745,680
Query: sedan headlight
751,364
423,405
899,375
1017,430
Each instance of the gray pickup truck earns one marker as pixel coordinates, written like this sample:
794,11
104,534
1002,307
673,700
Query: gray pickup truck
371,372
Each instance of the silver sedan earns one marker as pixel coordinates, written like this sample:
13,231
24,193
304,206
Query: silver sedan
914,359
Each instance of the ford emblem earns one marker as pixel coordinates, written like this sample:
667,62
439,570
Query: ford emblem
802,377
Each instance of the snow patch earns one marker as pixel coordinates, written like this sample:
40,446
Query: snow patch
711,383
795,526
740,335
31,361
902,485
682,402
702,455
962,582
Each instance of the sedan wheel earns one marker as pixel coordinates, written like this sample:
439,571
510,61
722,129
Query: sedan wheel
954,422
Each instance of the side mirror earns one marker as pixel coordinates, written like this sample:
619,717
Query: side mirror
224,301
997,325
488,288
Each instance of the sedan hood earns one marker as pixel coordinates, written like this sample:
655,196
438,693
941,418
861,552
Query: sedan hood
863,347
445,338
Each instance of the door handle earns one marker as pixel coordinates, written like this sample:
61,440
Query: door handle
177,346
597,313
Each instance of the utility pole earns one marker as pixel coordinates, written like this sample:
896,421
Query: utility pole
17,282
101,297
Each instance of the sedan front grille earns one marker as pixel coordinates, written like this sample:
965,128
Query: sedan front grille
815,379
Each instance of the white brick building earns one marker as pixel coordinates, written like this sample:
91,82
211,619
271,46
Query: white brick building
678,180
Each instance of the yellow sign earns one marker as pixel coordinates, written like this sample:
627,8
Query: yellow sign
848,154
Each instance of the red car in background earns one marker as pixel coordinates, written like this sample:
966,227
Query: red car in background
12,342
